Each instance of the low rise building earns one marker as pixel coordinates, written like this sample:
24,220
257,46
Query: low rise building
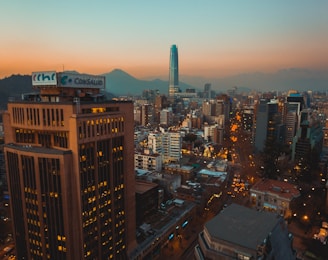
185,171
238,232
148,161
273,195
168,182
146,200
163,228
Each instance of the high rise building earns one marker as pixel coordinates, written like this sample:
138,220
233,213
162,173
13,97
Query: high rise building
168,144
308,141
207,91
155,143
174,72
166,117
147,114
70,169
172,144
267,120
160,103
248,118
292,120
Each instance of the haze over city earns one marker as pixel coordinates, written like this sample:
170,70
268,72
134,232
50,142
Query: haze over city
215,39
164,130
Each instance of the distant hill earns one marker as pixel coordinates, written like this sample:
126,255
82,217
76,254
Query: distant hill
119,82
300,79
14,86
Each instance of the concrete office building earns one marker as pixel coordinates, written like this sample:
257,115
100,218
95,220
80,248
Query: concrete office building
148,161
292,120
267,121
308,141
70,169
172,145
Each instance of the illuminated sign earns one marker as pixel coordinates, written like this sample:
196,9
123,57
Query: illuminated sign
44,78
76,80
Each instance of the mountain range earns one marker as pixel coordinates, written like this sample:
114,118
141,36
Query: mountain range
118,82
121,83
282,80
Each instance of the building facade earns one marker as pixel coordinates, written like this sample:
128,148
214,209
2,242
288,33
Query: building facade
147,194
173,72
148,161
267,121
70,170
172,145
166,117
273,195
307,143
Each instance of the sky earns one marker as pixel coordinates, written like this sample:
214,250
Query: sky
214,38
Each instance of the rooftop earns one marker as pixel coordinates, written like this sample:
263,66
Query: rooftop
280,188
243,226
221,175
144,186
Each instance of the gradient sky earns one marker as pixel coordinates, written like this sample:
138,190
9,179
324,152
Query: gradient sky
214,38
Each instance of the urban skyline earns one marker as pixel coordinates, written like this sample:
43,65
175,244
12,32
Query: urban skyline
69,155
143,176
215,39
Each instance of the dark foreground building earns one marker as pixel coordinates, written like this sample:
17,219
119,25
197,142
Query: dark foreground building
238,232
69,161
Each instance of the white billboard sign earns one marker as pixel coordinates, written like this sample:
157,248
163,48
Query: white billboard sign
44,78
75,80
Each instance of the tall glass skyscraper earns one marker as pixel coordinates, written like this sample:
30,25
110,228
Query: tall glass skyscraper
174,72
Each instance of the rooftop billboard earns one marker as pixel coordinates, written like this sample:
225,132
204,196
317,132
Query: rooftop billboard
74,80
44,78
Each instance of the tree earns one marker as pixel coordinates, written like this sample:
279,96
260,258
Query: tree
190,137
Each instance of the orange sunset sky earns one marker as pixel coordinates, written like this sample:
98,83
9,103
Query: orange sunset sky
214,38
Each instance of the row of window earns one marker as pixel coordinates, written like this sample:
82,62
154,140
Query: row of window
101,126
51,189
37,116
97,196
47,139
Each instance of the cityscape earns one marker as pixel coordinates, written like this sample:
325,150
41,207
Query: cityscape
197,162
